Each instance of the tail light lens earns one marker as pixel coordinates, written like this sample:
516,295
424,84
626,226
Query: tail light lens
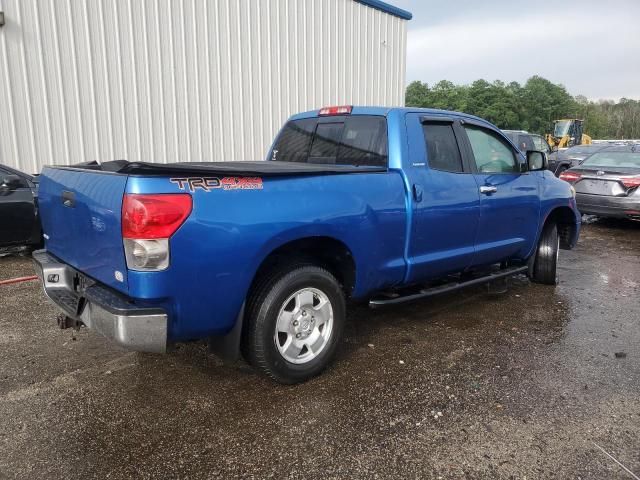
631,182
154,216
147,223
150,255
570,177
340,110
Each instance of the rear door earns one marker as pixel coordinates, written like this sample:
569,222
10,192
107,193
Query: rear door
17,212
81,221
509,200
445,198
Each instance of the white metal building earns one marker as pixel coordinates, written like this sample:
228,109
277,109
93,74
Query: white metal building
184,80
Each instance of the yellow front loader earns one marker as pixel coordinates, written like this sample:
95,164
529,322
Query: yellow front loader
567,132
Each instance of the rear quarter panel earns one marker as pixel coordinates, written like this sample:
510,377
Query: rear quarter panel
215,254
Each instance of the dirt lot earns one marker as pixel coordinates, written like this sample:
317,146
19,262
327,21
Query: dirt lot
527,384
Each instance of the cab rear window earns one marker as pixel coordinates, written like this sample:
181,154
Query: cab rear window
359,140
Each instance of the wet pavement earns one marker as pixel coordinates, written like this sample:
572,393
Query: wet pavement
532,383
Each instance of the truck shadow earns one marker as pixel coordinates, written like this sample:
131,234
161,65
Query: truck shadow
425,331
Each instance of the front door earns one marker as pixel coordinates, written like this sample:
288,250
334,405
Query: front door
509,200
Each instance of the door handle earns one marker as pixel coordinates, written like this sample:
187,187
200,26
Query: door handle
417,192
488,189
68,199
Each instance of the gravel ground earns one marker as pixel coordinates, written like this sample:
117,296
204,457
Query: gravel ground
532,383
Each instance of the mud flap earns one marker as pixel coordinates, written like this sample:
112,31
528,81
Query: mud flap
227,347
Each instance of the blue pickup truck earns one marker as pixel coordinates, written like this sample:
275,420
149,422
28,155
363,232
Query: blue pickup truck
384,205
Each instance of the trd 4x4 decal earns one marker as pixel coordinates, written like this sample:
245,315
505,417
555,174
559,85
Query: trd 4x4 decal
211,183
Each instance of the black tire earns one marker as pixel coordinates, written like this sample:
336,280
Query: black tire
264,307
545,263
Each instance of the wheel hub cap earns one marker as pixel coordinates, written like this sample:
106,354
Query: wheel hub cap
304,325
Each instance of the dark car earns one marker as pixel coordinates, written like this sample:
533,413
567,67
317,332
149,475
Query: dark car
19,220
607,183
528,141
562,160
523,140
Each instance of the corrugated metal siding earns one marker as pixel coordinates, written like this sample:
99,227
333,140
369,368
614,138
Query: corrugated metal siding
182,80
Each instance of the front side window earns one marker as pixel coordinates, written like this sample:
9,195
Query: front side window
358,140
442,147
491,153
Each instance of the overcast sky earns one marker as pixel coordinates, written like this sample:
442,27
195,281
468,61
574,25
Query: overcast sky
591,47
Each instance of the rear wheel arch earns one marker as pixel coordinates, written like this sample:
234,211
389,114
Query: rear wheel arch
323,251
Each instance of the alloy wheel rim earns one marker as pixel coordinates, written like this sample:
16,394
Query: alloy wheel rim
304,325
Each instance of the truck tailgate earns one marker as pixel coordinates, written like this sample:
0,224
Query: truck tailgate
80,211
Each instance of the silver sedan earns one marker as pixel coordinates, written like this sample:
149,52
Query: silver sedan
607,183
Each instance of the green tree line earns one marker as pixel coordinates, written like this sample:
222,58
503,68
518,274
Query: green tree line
532,106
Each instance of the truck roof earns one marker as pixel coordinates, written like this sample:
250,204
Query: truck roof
385,111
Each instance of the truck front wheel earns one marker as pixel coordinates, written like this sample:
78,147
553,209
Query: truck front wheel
294,323
545,261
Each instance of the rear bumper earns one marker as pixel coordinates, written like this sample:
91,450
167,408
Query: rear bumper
100,308
605,206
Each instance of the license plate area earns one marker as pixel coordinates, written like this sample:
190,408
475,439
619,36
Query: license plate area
596,187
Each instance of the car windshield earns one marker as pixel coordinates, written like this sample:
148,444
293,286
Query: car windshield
562,128
613,159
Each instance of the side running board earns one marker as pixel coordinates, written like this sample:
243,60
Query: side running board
447,287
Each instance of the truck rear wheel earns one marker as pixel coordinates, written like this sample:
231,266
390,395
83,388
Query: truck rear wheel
546,257
294,324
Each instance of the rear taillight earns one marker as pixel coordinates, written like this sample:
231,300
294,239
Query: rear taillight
147,223
631,182
570,177
340,110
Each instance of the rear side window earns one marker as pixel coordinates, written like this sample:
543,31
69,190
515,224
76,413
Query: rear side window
357,140
442,148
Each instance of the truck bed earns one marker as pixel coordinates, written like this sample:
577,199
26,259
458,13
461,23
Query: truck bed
252,168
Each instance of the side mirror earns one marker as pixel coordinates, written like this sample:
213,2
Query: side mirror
11,182
536,160
554,148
